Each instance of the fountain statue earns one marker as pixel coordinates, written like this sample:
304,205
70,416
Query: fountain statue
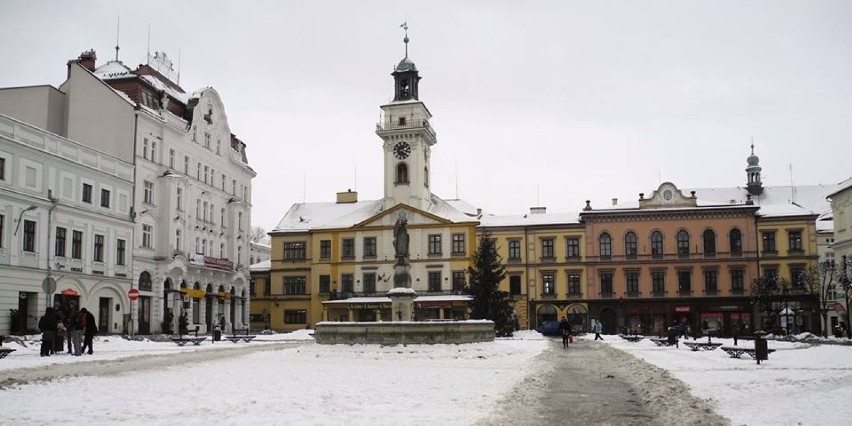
401,295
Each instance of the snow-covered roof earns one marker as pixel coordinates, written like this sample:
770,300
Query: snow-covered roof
113,70
384,299
261,266
159,85
492,221
778,200
303,217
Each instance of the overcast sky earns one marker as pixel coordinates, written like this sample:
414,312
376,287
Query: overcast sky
535,103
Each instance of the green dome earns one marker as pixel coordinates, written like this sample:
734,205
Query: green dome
405,65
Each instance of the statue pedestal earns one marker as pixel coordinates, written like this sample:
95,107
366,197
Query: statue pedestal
402,303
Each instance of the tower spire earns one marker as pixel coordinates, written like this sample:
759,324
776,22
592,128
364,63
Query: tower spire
117,33
404,26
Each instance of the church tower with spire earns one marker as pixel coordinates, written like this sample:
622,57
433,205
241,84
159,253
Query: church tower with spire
408,138
754,185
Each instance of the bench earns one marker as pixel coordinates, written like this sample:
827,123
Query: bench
242,334
5,351
180,341
703,346
632,337
665,342
736,351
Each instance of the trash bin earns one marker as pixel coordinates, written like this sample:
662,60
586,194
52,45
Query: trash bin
217,334
761,347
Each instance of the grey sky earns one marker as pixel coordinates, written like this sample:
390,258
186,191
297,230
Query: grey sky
535,103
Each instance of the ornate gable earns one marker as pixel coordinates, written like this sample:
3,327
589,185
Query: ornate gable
668,196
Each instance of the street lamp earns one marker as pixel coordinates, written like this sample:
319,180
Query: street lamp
20,216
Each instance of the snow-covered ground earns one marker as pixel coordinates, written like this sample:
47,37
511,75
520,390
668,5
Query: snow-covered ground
288,379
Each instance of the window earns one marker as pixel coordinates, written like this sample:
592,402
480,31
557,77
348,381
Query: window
325,249
548,283
198,208
186,165
147,231
573,248
515,284
222,217
347,248
735,240
179,198
683,243
99,248
153,151
630,245
631,276
222,251
218,146
346,283
606,284
710,281
797,276
684,281
458,281
769,242
709,243
401,173
737,280
658,282
145,148
119,252
435,244
547,248
369,246
59,243
2,223
234,187
195,133
325,284
204,211
435,281
239,255
29,235
198,171
294,251
30,178
87,193
294,285
267,287
458,244
605,245
206,173
171,158
657,244
794,240
240,221
224,179
105,198
514,250
77,245
574,285
145,283
207,140
2,168
148,192
295,316
369,282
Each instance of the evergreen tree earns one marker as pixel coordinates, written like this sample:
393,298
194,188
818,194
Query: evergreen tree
488,301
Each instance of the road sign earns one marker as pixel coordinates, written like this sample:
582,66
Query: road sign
133,294
48,285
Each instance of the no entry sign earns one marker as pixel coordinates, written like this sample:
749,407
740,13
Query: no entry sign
133,294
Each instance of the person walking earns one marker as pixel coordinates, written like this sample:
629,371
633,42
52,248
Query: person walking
47,326
89,330
68,319
565,328
78,324
597,328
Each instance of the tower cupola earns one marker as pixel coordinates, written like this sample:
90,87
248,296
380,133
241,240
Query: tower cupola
754,185
405,76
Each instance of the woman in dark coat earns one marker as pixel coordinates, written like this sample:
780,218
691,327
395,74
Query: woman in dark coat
47,325
89,330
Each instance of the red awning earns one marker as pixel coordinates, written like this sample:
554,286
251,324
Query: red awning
69,292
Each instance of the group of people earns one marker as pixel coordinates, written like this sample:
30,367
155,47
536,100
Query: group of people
60,326
568,335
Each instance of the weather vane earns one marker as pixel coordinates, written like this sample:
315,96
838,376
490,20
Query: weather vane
404,26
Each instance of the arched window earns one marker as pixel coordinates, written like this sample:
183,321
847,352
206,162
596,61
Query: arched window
657,244
145,281
426,177
402,173
630,246
735,239
682,243
709,243
605,245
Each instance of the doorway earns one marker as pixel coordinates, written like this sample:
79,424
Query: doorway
144,315
103,315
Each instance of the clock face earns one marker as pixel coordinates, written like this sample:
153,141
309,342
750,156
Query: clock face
667,195
401,150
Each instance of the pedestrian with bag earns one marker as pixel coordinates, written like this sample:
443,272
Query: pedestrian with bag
565,328
47,326
89,330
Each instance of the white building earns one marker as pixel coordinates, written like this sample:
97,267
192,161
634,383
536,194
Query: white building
259,252
190,201
64,214
841,208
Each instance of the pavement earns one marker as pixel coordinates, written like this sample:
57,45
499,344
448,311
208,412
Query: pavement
591,383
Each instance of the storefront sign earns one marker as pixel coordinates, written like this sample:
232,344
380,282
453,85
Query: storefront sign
682,309
434,305
193,293
369,306
212,262
730,308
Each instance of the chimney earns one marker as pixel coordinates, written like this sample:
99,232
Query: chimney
615,201
86,60
538,210
347,197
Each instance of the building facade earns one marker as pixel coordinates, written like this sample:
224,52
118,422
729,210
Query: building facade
841,261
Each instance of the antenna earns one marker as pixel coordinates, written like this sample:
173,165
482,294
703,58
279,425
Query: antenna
304,186
148,55
457,180
356,177
178,77
792,186
117,34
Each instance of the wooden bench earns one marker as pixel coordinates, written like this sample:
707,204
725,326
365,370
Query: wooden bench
703,346
736,351
242,334
5,351
664,342
183,340
631,337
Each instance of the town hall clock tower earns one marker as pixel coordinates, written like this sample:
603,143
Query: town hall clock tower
408,138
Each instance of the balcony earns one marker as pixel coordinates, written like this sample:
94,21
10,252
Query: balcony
407,125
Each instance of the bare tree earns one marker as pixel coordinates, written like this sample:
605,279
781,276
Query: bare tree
258,235
821,281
